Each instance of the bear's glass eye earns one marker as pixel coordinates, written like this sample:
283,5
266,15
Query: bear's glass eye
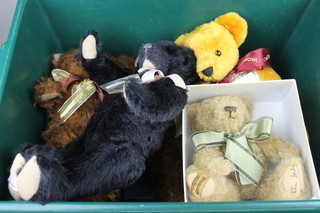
218,53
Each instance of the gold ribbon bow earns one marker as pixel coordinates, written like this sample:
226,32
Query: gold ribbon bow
248,167
81,92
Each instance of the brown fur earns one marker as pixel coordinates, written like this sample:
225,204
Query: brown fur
166,169
57,133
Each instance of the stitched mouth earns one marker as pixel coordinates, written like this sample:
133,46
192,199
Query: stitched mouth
231,110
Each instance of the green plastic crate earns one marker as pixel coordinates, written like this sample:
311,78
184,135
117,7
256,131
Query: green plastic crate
290,29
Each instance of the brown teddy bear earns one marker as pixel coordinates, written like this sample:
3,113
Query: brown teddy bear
51,94
233,162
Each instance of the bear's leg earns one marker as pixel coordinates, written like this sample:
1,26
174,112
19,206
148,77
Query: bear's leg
17,165
100,68
37,176
105,167
27,151
28,180
288,181
203,187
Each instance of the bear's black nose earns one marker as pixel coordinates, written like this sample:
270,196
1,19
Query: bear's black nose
208,72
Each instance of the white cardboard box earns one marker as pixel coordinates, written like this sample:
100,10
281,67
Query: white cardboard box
278,99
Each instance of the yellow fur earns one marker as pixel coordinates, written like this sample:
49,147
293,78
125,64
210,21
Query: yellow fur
236,26
225,34
267,74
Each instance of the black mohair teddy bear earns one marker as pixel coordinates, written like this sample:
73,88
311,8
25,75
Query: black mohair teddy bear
123,132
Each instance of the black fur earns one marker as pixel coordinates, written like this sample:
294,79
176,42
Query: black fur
102,69
123,132
170,58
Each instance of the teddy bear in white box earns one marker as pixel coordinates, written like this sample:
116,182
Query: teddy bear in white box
238,159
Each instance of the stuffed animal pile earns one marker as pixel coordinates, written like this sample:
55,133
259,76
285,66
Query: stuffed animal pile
106,140
235,156
50,93
123,132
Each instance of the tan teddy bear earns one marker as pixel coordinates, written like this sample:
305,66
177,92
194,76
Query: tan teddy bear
228,168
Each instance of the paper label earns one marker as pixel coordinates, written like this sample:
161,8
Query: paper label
245,77
13,182
293,181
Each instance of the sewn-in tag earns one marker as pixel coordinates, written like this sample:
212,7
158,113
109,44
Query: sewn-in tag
12,181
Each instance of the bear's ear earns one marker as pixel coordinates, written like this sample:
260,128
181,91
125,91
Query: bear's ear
236,25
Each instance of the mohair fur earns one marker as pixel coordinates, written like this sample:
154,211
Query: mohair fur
216,44
125,129
165,165
210,114
50,95
165,169
57,133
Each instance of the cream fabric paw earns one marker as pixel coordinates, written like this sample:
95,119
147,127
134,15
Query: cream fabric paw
28,180
16,167
287,182
200,185
203,187
89,50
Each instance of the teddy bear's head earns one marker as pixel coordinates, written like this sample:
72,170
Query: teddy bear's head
220,113
169,58
216,44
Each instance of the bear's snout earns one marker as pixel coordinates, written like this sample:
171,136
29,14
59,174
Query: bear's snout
208,72
230,109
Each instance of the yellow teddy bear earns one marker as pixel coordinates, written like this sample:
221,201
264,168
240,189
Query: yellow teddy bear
216,44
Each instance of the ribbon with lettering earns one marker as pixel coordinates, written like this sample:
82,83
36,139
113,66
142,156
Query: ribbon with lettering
254,60
82,90
248,167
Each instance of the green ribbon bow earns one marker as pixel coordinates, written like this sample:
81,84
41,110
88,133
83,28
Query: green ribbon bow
248,167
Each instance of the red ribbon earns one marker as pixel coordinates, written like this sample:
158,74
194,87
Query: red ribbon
254,60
